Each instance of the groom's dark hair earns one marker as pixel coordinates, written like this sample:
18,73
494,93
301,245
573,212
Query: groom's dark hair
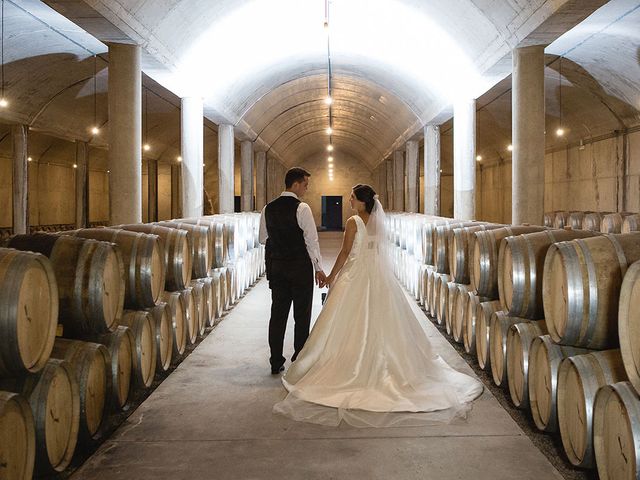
295,174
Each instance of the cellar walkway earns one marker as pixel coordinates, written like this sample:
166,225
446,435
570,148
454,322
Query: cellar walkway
212,419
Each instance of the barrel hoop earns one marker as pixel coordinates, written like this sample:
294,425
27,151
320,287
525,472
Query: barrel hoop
622,259
575,291
587,335
518,271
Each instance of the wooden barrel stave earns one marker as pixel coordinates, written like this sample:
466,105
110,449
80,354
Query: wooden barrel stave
201,309
631,223
143,330
161,317
121,346
178,315
17,437
470,322
500,323
200,242
191,314
458,312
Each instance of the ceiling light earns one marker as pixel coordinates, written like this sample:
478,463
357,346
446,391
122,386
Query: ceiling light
328,100
3,103
204,164
146,147
329,130
510,148
75,165
29,159
95,130
330,159
330,148
479,158
179,158
560,132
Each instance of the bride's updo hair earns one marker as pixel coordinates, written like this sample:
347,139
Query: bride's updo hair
366,194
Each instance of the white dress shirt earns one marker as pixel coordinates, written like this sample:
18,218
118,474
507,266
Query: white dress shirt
304,216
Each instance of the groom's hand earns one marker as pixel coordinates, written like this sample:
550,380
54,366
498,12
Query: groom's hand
321,279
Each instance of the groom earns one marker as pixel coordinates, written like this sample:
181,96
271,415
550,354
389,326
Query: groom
292,256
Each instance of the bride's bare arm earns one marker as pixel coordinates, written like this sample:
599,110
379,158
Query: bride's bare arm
347,242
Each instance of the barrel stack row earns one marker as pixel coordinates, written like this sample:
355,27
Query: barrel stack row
551,313
90,317
605,222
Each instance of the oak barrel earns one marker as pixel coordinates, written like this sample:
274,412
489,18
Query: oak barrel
476,306
28,311
500,324
201,246
616,432
592,221
612,222
581,288
544,363
458,312
161,317
121,346
92,366
576,220
629,324
191,314
209,300
143,330
178,317
17,437
561,219
579,379
519,339
201,309
631,223
461,247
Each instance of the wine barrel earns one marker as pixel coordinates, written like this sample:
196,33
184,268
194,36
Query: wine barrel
581,288
576,219
220,246
445,288
579,379
191,314
143,330
461,246
519,339
448,294
216,295
631,223
91,363
500,323
422,285
225,301
429,240
616,432
474,306
484,267
232,292
612,222
201,242
161,317
520,265
592,221
177,253
428,290
561,220
28,311
549,219
143,256
121,346
54,399
458,312
442,244
544,363
197,295
90,278
17,437
209,299
629,324
178,317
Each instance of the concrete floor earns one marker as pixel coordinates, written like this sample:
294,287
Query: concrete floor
212,418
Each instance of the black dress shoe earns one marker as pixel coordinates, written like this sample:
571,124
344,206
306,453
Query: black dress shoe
277,370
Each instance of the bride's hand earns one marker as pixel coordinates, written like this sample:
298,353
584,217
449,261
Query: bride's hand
330,280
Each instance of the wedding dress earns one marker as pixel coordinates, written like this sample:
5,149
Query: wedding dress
367,360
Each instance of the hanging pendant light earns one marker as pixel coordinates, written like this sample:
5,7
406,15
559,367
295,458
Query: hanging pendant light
3,100
95,130
146,147
560,130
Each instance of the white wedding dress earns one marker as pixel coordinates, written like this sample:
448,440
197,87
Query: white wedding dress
367,358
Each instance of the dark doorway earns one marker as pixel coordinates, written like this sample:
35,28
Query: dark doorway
236,204
332,212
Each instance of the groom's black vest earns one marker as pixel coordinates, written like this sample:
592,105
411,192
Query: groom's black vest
285,239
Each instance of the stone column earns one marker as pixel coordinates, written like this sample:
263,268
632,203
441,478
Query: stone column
125,134
413,177
176,191
389,170
20,179
528,124
273,184
192,151
432,170
152,190
246,171
82,184
464,162
261,180
398,181
226,168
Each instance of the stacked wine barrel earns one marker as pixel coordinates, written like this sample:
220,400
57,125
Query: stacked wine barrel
551,312
124,303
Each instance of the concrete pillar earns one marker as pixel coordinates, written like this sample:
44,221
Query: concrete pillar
125,134
398,181
273,182
226,168
389,170
246,171
432,170
261,180
413,176
192,151
176,191
152,190
464,161
20,180
82,184
528,124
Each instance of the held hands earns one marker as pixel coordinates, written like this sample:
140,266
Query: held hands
327,282
321,279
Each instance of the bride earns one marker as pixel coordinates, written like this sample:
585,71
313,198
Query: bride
367,360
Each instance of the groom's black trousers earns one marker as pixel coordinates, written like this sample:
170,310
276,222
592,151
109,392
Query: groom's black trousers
291,281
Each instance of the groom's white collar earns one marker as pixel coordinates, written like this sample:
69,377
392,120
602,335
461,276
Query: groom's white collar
288,194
